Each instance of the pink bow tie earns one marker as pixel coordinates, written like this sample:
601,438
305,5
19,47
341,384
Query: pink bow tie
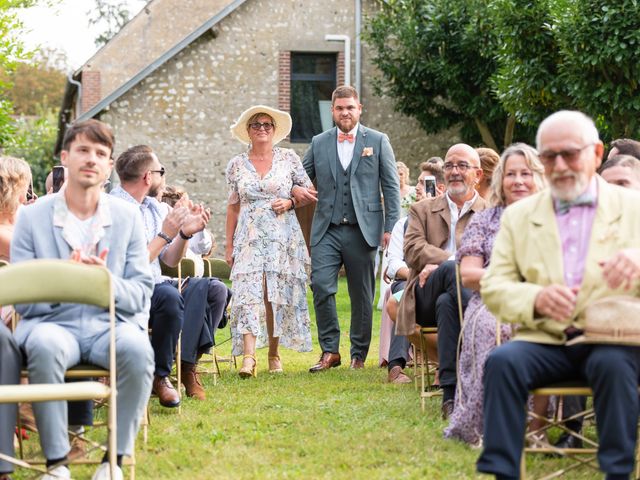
345,136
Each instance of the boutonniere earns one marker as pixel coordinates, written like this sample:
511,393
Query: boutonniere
367,151
610,234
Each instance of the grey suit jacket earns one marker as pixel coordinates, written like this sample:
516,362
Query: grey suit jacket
36,236
369,175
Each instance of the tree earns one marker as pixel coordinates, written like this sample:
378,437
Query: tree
437,60
38,85
599,41
11,52
113,14
34,139
527,81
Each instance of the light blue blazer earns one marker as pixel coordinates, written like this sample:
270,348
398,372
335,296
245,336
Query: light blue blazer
36,236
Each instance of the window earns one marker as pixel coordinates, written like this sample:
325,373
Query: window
313,79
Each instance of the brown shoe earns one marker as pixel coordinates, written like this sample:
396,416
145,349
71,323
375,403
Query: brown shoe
447,409
356,363
327,360
167,395
78,447
191,381
397,376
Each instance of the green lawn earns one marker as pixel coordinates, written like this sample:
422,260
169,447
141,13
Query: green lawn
340,424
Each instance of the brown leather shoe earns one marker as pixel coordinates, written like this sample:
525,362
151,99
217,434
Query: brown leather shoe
447,409
397,376
327,360
167,395
356,363
191,382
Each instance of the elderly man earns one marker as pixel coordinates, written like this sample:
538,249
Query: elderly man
433,233
557,252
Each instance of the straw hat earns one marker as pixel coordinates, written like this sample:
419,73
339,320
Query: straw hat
612,320
280,118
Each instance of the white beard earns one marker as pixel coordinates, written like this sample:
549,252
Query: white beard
569,194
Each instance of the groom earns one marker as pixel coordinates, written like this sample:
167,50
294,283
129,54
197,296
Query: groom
351,164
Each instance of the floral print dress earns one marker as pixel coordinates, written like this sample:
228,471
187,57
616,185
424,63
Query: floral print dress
268,249
478,333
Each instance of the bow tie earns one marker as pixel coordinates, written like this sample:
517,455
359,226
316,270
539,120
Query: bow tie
345,136
584,200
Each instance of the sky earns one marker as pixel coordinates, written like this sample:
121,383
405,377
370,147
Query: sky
65,26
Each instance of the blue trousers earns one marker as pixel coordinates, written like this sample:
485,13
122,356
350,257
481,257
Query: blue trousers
10,360
517,367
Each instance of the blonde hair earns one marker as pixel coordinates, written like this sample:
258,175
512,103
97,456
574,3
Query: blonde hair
402,166
15,176
530,154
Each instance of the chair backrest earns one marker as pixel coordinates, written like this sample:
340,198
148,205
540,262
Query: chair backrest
186,268
219,268
60,281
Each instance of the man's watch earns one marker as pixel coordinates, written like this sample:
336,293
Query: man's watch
165,237
184,236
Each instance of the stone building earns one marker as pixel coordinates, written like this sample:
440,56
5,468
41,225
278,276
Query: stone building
178,75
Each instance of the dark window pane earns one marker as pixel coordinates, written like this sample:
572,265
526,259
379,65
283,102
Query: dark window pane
313,79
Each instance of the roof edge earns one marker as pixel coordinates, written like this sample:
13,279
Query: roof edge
165,57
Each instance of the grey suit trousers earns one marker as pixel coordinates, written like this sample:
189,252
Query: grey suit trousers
51,349
9,375
343,245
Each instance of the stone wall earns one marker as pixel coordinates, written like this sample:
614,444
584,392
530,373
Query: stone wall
185,108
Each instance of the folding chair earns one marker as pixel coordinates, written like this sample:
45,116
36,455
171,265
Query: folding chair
61,281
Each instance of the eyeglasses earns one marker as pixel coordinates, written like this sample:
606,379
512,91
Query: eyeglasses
570,156
257,126
462,167
161,171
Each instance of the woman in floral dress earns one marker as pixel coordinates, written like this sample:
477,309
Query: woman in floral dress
265,246
519,174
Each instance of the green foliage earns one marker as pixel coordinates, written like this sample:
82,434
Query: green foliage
437,60
38,84
599,43
34,139
11,52
527,80
112,15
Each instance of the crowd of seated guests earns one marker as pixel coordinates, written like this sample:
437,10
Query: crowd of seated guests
81,203
460,223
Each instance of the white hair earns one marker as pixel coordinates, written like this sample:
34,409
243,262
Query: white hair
579,119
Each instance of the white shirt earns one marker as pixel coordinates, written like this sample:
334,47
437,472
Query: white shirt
395,254
455,216
345,149
79,234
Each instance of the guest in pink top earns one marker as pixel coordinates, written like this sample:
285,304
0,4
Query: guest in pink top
557,252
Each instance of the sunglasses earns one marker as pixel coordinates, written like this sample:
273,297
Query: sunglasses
257,126
161,171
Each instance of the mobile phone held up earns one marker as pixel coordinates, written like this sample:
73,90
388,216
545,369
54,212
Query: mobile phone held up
30,195
58,178
430,186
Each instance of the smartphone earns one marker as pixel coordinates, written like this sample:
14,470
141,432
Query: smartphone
58,177
30,195
430,186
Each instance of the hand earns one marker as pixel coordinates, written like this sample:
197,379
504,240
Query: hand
304,196
622,269
100,260
196,220
556,302
228,256
386,237
281,205
174,219
428,269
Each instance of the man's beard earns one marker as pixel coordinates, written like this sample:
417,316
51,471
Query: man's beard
569,194
456,190
153,191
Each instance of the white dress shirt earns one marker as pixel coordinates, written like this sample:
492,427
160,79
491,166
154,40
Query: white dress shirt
455,216
395,254
345,149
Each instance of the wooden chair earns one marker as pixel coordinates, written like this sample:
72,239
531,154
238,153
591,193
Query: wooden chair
60,281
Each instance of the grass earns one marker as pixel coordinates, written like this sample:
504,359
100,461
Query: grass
340,424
